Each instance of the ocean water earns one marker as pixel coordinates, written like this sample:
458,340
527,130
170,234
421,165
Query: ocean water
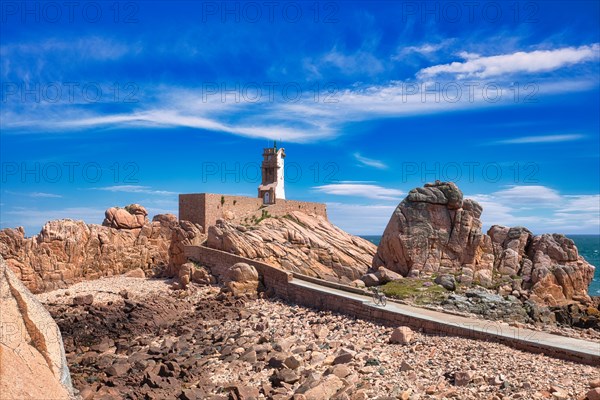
588,246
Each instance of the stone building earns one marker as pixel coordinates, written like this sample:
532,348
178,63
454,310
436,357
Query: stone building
207,208
271,189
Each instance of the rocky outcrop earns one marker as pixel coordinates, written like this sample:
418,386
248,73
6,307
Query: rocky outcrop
558,272
435,231
548,265
131,217
32,357
299,242
68,251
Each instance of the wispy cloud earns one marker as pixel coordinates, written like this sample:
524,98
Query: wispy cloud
425,49
30,61
36,194
134,189
295,129
45,195
370,162
542,139
93,47
359,62
541,209
534,194
360,190
303,121
520,62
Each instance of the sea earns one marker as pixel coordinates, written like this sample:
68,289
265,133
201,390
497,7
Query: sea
588,246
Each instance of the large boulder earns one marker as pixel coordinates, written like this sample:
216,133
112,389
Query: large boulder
435,230
67,251
133,216
432,230
241,279
32,357
301,243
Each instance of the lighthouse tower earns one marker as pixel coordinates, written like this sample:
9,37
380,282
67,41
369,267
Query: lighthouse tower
271,189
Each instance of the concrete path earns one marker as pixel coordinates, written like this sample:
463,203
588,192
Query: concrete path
552,345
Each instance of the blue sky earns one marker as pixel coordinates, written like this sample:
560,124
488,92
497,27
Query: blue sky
107,103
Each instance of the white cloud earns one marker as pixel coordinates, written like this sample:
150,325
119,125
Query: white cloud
360,62
542,139
535,194
92,47
302,121
368,191
520,62
582,203
134,189
45,195
541,209
425,49
36,194
370,162
261,125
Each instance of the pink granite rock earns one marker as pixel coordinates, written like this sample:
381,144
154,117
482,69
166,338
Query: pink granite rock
32,357
67,251
302,243
435,230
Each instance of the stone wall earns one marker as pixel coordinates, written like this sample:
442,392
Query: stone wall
206,208
282,284
487,331
218,261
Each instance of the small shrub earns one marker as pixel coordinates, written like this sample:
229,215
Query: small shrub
416,290
265,215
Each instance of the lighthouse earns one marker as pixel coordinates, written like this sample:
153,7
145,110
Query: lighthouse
271,188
